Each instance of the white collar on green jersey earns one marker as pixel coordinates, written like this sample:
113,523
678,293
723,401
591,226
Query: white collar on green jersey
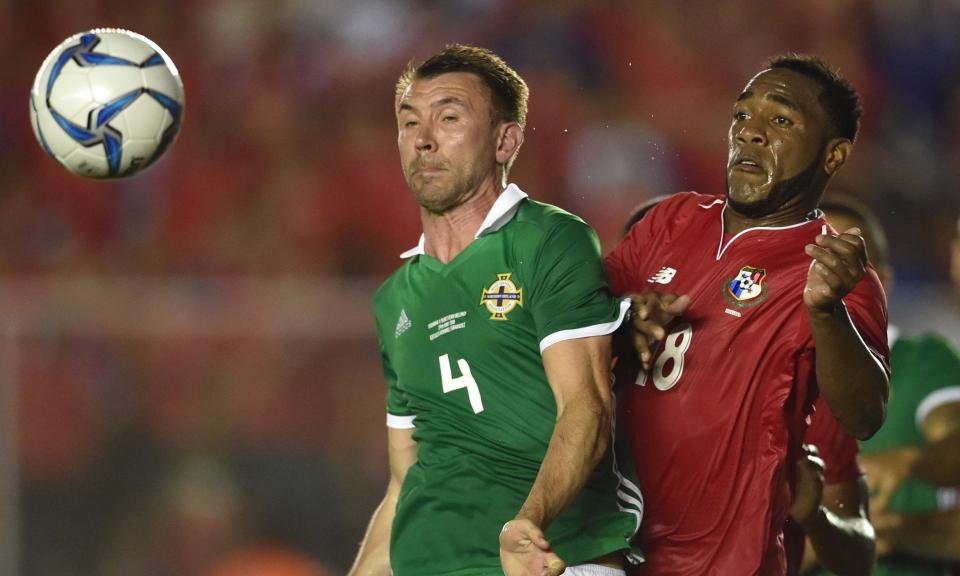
500,213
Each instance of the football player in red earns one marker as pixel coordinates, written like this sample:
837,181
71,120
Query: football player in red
777,308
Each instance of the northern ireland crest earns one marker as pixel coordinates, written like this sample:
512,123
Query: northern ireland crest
501,297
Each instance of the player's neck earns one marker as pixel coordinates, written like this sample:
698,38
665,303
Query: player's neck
449,233
793,213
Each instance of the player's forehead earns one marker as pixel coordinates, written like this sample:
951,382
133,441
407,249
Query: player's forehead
786,87
462,88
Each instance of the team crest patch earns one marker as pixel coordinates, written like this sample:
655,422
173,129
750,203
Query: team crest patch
501,297
746,288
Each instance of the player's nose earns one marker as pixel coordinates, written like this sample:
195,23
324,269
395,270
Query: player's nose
425,140
751,132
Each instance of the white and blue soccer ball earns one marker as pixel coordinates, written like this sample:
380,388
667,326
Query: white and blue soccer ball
106,103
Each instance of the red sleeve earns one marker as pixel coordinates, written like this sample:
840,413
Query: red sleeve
867,306
624,261
628,260
837,449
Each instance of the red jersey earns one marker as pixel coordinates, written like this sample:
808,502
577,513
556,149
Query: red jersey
839,451
716,424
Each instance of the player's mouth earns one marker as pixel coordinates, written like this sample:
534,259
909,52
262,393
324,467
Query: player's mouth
428,169
748,164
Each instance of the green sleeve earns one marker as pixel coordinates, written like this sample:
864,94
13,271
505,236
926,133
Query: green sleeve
938,381
569,293
396,399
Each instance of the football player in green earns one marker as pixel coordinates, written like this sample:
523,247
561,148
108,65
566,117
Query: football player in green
495,341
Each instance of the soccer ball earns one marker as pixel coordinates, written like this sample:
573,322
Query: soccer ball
106,103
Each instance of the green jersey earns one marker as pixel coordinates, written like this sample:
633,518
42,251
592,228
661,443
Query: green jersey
461,346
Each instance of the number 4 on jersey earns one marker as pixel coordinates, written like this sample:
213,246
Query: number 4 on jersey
675,345
465,380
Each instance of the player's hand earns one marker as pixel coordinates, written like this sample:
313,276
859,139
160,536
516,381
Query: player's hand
839,262
652,313
809,486
886,526
524,551
886,471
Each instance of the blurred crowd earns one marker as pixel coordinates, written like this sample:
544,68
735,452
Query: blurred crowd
151,451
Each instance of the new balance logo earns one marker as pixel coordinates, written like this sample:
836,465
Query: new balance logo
403,323
664,276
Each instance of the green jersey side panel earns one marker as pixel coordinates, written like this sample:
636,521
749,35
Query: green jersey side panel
461,352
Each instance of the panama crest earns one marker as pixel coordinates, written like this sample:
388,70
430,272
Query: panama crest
501,297
746,288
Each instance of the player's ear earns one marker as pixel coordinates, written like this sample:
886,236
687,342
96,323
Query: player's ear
509,139
838,150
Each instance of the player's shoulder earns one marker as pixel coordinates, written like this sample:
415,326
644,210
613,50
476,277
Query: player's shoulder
675,214
691,201
536,215
682,207
538,224
390,287
930,347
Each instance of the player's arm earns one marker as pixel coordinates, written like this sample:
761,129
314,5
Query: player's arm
934,535
929,535
839,535
937,462
578,372
852,379
373,559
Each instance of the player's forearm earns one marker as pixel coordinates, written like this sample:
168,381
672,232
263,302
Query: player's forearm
579,441
373,559
851,379
844,546
934,535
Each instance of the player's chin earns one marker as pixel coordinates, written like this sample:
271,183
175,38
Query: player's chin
436,199
745,193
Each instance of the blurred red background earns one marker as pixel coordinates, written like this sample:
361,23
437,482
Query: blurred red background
189,368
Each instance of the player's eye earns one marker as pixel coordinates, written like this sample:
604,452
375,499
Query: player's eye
739,115
449,118
782,122
410,124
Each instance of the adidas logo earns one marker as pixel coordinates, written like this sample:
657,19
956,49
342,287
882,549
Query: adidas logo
403,323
